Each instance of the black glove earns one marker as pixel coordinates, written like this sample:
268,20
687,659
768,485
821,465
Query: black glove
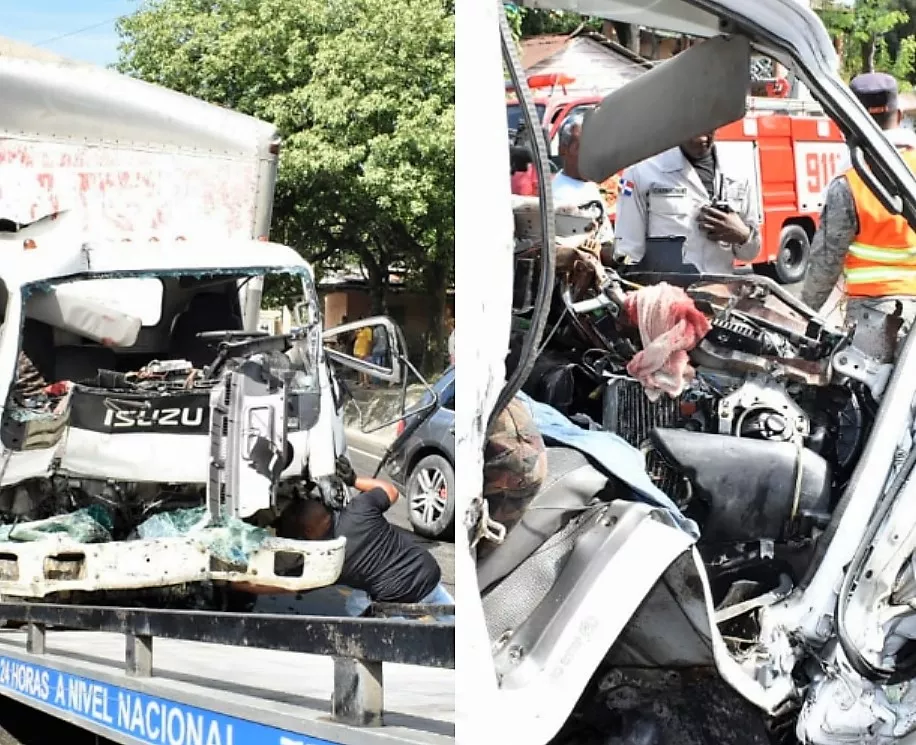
334,493
345,471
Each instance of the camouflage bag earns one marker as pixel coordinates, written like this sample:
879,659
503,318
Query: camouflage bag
29,381
515,465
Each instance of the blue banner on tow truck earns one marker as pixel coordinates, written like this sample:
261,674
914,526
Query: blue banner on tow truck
146,718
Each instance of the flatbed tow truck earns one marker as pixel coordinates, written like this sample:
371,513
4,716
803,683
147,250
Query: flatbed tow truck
168,677
232,678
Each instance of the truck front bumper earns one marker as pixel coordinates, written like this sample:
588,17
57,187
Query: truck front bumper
60,564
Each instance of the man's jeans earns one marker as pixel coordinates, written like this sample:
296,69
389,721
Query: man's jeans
440,596
358,601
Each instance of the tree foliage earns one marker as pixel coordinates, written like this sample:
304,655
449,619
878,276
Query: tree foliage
527,22
873,35
363,93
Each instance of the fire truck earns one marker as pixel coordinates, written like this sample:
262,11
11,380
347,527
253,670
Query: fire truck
788,150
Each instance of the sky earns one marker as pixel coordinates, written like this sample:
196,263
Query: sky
83,30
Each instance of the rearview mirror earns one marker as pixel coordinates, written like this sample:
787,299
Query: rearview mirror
374,347
300,313
696,92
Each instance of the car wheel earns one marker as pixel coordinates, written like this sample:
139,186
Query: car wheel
431,497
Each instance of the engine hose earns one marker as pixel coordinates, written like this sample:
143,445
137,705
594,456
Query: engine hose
541,310
856,659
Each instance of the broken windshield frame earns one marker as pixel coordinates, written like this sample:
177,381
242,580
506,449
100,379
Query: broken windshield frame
307,300
538,323
308,354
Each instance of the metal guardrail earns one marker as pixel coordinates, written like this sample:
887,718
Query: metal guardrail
359,646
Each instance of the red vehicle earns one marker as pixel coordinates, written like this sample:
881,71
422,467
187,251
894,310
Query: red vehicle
790,152
787,149
553,109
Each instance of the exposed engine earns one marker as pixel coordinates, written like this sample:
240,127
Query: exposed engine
761,439
165,397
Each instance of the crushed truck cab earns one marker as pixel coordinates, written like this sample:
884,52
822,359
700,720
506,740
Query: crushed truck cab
133,378
129,392
151,432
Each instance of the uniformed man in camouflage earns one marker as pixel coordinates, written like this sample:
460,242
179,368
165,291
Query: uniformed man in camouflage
859,239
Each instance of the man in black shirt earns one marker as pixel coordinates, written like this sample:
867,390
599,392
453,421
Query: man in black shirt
382,562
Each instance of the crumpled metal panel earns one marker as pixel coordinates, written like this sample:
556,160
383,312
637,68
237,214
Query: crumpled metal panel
138,456
46,98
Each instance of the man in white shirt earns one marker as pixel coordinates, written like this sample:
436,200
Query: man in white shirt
686,194
569,188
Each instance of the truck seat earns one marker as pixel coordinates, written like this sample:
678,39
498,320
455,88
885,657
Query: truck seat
572,484
208,311
517,576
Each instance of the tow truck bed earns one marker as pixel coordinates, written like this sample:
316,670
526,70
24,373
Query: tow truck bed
201,693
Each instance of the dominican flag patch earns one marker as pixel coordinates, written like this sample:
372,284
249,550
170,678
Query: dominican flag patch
626,187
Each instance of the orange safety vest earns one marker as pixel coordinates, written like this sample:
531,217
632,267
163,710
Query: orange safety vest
881,260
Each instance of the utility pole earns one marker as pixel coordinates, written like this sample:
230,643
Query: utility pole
626,33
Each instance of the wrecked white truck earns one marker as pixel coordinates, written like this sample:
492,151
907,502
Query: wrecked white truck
150,431
151,434
730,561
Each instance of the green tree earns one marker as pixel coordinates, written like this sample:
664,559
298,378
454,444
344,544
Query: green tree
868,35
527,22
363,93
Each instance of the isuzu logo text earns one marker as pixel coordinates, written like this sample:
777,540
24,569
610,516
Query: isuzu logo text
181,414
140,418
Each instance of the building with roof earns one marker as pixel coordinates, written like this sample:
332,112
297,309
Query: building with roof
597,64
